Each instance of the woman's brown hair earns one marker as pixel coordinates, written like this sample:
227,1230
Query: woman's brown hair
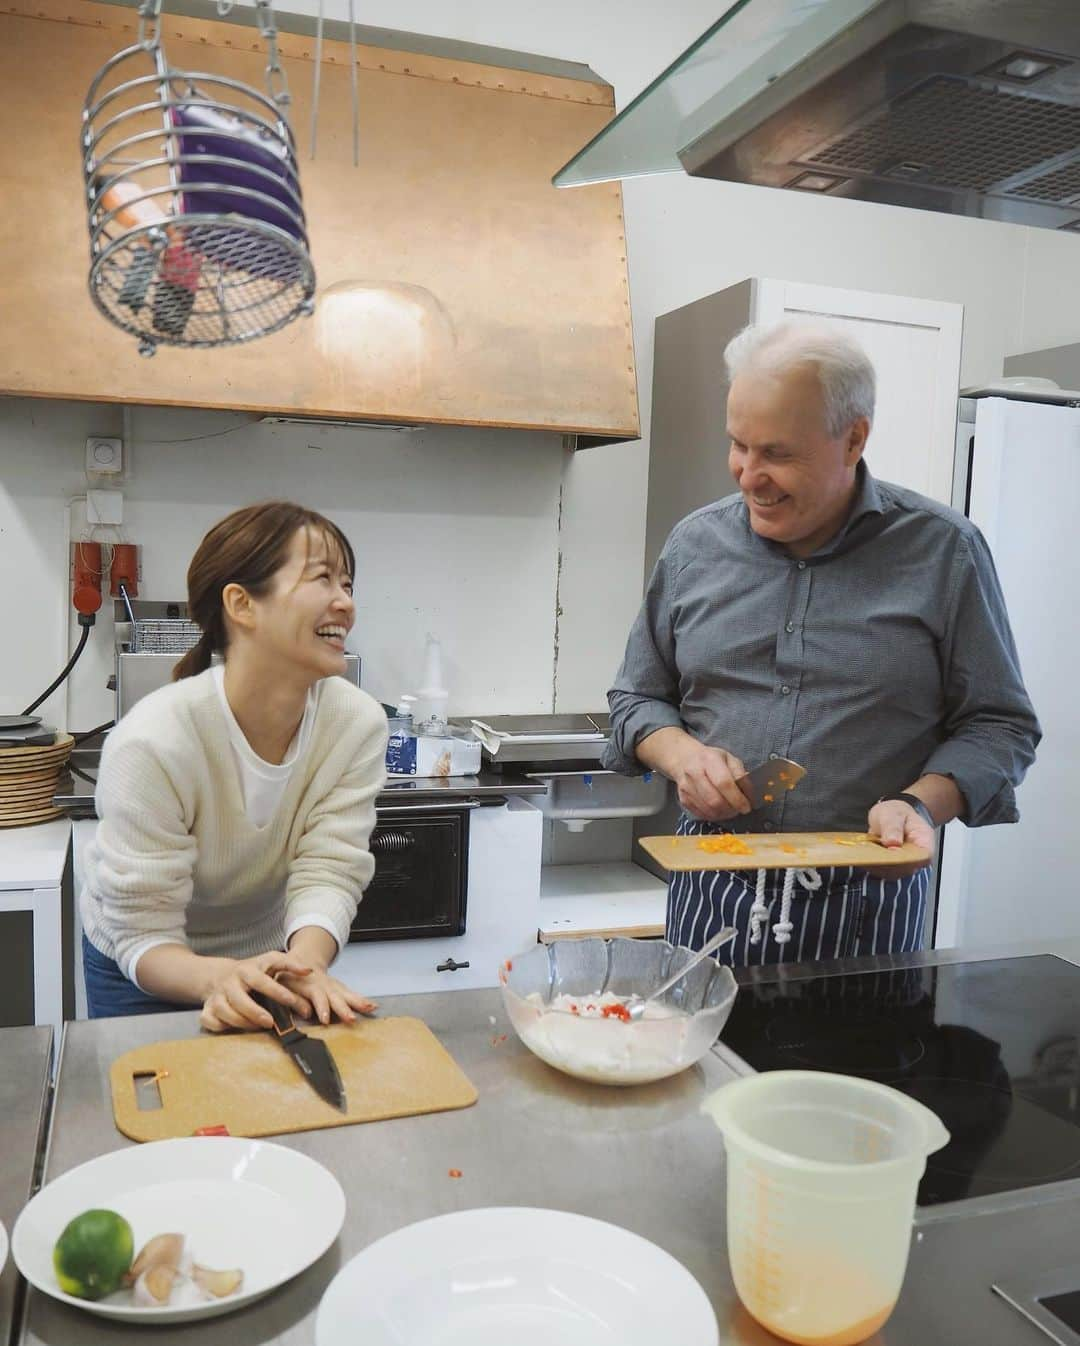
248,548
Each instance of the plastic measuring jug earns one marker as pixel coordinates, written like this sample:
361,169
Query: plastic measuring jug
822,1172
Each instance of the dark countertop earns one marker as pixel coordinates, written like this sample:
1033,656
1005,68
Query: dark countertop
75,793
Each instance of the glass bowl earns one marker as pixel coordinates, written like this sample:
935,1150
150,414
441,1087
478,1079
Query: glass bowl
565,1001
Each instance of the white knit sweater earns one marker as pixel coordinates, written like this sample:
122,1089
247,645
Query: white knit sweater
174,859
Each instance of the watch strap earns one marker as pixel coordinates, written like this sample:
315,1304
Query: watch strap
914,802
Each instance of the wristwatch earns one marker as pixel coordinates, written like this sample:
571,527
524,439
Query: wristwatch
914,802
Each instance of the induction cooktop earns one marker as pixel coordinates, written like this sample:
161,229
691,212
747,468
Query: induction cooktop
992,1047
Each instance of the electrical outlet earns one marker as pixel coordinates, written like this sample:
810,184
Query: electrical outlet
105,457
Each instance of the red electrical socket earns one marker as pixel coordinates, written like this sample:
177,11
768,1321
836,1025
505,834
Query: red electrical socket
125,569
86,577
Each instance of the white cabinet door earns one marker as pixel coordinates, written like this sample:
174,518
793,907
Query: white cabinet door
915,346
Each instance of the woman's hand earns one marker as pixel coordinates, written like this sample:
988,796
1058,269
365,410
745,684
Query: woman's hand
326,997
894,823
228,1003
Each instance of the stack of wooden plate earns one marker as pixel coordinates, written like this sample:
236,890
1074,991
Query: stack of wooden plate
28,778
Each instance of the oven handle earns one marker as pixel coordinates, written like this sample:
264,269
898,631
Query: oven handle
443,806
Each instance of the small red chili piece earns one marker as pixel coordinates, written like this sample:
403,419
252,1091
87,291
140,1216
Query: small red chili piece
616,1012
455,1172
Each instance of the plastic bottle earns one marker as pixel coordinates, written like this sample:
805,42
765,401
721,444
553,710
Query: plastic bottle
432,693
401,722
401,745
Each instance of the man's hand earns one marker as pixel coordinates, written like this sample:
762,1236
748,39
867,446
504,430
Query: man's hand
893,823
704,777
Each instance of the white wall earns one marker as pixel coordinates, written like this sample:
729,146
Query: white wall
454,532
462,530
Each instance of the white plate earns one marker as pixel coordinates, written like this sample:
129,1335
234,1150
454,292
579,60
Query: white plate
241,1203
513,1274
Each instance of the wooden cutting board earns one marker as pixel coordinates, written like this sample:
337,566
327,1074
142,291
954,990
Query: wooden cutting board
28,817
36,758
247,1082
782,850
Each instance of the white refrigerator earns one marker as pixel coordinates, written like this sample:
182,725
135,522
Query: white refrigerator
1018,478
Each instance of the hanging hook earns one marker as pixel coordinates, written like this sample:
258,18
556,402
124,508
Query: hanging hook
149,34
277,84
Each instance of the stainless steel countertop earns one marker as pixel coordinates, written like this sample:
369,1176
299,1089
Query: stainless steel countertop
536,1138
76,791
642,1158
484,784
25,1057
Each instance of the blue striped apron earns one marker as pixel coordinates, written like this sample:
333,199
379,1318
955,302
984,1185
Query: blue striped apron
849,915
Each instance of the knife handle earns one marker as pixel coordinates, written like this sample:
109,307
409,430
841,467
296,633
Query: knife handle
281,1014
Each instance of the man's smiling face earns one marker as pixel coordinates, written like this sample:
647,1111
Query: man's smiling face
797,479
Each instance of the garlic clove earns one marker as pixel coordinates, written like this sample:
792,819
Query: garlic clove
217,1284
153,1287
164,1250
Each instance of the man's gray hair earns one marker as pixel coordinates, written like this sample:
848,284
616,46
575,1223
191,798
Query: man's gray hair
844,370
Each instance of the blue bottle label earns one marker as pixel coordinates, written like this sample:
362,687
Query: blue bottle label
401,754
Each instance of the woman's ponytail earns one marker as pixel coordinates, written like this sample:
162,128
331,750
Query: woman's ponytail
197,659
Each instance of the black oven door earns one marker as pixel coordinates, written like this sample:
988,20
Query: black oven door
421,873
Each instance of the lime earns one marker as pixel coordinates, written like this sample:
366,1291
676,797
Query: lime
93,1254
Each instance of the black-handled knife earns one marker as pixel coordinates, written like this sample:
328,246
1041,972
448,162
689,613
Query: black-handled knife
310,1054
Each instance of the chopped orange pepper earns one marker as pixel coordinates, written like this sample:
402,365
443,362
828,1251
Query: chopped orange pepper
726,844
767,798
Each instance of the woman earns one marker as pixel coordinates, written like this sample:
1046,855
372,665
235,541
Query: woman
236,805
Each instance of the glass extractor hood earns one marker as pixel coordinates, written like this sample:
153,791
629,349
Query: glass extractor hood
968,107
744,52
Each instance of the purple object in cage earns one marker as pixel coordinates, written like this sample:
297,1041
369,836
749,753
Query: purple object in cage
242,149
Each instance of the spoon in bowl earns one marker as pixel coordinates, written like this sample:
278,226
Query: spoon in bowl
636,1005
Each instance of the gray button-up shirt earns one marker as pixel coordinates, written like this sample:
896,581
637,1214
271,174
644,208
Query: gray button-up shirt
885,655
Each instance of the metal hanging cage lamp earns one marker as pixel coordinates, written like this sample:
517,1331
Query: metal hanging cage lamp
197,228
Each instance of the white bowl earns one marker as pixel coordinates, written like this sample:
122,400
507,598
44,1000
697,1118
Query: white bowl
514,1276
609,1050
266,1209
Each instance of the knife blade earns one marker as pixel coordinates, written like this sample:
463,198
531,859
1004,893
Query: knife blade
312,1056
772,778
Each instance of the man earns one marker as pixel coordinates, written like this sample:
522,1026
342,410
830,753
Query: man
852,625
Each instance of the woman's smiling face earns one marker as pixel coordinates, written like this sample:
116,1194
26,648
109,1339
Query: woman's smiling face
309,610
